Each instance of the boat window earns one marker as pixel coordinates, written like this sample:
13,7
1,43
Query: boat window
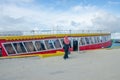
106,38
57,43
0,52
109,37
62,41
87,40
70,38
29,46
9,48
95,39
39,45
49,44
98,38
103,38
19,47
91,39
82,41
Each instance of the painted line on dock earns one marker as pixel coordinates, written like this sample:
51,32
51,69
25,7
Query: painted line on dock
58,53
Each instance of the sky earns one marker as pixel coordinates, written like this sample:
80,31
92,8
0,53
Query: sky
60,14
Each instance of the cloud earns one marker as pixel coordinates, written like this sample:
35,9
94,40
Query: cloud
16,16
7,20
114,2
16,1
13,17
83,8
115,35
107,21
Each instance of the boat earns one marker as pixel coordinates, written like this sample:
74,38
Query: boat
48,42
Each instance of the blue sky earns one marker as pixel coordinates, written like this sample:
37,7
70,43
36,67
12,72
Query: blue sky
62,5
56,14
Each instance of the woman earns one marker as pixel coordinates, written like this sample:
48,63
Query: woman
66,46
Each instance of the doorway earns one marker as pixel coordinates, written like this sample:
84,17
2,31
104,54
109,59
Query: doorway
75,45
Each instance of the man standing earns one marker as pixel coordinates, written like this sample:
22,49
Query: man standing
66,46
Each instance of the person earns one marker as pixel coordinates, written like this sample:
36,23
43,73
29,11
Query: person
66,45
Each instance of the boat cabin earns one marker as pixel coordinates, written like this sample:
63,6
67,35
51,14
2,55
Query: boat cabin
47,44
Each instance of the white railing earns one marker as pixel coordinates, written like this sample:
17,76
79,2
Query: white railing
38,32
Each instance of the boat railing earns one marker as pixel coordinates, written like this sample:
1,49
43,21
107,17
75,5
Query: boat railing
38,32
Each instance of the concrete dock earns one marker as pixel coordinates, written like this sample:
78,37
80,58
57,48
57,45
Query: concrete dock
100,64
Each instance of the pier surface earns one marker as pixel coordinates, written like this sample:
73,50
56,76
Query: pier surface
103,64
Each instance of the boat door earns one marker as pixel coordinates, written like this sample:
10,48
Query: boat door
75,44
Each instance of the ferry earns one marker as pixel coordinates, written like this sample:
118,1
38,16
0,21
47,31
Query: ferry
49,41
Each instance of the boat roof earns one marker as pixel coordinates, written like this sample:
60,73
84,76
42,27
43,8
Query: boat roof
24,37
60,34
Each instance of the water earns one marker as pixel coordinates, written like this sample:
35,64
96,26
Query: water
115,44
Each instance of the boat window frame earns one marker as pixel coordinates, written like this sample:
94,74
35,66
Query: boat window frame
27,48
92,39
100,39
95,38
21,48
80,41
107,37
3,44
51,48
0,51
71,42
84,41
104,39
61,40
44,48
56,44
87,41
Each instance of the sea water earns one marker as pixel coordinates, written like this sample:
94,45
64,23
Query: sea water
115,44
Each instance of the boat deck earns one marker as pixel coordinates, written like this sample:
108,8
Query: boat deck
102,64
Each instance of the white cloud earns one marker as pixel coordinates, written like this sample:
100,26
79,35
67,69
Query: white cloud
14,17
115,35
107,21
81,9
16,1
114,2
